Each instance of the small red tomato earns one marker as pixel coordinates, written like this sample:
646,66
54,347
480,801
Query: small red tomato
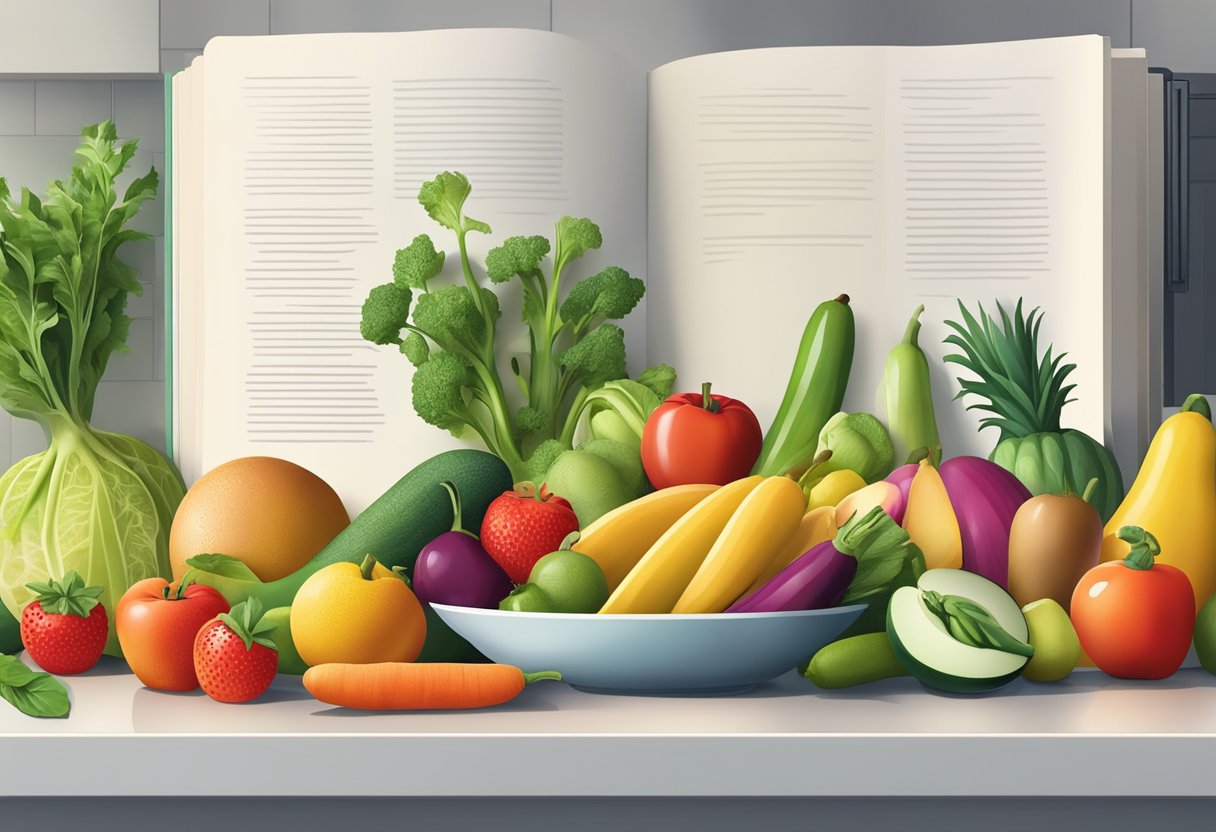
700,438
156,623
1135,618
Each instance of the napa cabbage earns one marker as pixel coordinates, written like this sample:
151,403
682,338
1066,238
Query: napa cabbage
97,502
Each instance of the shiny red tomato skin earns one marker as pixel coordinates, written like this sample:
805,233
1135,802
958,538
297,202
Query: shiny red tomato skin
1134,623
157,634
684,443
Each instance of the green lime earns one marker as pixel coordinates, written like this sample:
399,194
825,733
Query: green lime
573,581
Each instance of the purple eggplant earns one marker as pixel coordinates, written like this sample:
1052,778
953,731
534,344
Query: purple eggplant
814,580
455,569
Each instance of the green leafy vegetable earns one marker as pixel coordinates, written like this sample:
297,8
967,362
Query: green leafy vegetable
95,502
859,442
880,546
32,692
449,333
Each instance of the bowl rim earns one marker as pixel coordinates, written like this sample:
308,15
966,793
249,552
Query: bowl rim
650,616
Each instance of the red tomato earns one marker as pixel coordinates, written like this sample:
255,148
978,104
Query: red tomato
1134,622
156,624
700,438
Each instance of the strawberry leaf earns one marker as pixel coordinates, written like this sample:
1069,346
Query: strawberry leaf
246,622
67,597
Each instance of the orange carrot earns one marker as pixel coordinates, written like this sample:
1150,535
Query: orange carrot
398,686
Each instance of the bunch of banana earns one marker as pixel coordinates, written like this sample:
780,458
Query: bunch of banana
698,548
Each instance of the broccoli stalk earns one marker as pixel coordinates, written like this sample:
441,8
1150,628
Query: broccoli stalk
449,333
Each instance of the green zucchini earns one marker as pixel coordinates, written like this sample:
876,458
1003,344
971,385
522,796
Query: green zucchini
412,513
815,391
857,660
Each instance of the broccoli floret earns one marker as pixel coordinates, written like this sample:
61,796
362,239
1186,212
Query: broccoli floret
660,378
385,313
417,263
542,459
612,294
416,349
532,419
450,317
438,391
443,198
516,256
575,237
598,358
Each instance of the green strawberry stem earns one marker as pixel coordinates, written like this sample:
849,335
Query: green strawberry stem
542,675
67,597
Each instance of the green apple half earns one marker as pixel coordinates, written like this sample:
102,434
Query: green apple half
935,657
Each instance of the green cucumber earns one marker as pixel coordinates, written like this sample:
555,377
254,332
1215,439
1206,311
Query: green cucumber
412,513
815,391
857,660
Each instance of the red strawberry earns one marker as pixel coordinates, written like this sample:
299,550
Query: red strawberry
522,526
65,628
234,659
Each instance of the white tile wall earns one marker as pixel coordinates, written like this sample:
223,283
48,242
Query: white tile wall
139,112
79,36
63,107
16,108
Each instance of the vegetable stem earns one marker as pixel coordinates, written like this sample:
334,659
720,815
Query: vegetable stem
1197,403
708,402
542,675
1144,547
913,329
367,566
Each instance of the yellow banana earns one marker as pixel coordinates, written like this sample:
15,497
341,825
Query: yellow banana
664,571
618,539
765,520
818,525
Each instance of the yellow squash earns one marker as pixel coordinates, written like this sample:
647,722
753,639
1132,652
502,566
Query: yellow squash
818,525
762,524
1174,497
655,584
618,539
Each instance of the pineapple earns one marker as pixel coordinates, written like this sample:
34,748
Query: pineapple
1023,396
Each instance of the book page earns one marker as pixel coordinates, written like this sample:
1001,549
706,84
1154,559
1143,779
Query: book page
767,181
781,178
315,148
187,275
999,158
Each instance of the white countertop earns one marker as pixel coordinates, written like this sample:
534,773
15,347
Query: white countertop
1088,735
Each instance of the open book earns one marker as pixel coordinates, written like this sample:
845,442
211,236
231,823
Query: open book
746,187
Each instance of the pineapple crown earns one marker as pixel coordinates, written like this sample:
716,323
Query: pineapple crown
1024,393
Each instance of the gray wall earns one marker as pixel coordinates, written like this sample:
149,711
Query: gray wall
40,115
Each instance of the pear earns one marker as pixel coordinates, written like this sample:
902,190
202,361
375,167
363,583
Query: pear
1056,646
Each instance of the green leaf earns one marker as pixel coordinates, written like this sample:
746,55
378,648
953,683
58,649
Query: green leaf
33,693
443,198
879,545
246,621
67,597
223,566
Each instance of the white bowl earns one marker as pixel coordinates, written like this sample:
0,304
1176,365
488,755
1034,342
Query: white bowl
673,655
